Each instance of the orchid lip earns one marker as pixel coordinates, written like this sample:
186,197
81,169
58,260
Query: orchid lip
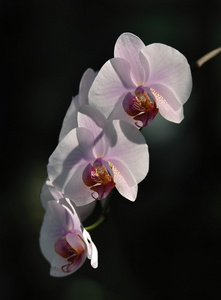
72,255
141,106
99,178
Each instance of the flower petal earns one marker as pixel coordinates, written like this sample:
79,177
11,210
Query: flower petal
112,81
49,192
70,119
125,182
59,222
56,266
73,151
167,103
56,222
130,148
84,211
168,67
91,118
128,47
85,84
119,113
76,189
75,241
92,250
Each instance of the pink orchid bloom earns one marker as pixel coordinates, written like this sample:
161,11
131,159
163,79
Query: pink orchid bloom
49,193
70,119
63,241
140,81
96,157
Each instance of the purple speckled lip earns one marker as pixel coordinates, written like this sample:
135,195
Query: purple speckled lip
99,178
141,105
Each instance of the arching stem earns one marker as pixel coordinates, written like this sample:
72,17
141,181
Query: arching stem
103,214
201,61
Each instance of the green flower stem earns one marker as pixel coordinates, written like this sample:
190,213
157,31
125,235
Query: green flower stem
103,213
97,223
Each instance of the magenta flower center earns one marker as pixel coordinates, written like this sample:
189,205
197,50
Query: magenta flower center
72,255
141,105
98,177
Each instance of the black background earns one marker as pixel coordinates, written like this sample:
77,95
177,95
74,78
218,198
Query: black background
165,245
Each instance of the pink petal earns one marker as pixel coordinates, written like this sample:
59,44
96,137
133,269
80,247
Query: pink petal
169,107
112,81
128,47
119,113
77,190
60,221
56,266
168,67
91,249
130,148
56,222
85,210
48,193
91,118
85,84
75,241
73,151
125,182
70,119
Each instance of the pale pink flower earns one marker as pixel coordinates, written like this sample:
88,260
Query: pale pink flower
63,240
49,192
70,119
140,81
97,156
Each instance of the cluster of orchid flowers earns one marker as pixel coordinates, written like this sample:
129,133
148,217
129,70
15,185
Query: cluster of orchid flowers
101,146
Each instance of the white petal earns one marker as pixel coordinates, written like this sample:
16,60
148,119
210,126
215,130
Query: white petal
130,148
85,84
48,193
70,119
112,81
85,210
92,250
128,47
168,67
77,190
56,222
118,113
169,107
125,182
73,151
57,263
91,118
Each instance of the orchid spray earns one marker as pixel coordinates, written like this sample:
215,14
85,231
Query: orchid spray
101,147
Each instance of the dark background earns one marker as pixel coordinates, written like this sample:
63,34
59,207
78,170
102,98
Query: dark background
165,245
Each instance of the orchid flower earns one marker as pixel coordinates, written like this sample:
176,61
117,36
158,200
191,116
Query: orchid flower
70,119
140,81
63,241
49,192
96,157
